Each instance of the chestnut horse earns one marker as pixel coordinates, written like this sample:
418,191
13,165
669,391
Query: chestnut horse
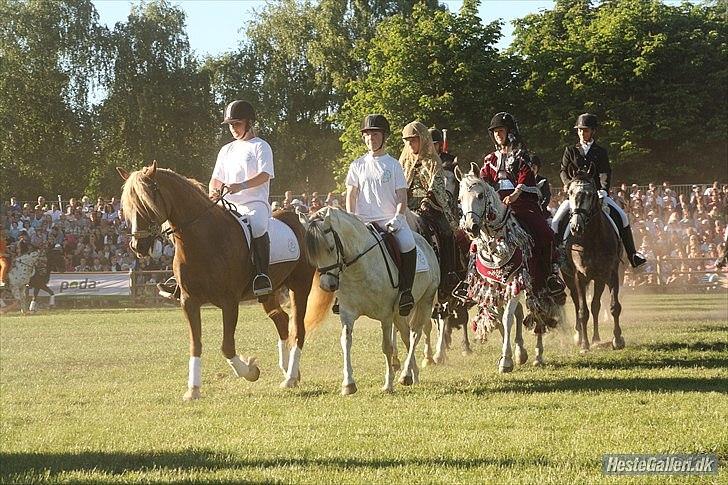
212,264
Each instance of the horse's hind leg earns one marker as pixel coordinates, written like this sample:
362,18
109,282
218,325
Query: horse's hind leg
616,310
442,336
288,360
387,349
427,334
396,364
596,306
505,364
348,386
521,353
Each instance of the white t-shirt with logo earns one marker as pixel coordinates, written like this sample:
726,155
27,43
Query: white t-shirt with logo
241,160
377,179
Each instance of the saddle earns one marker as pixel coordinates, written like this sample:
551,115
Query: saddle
390,243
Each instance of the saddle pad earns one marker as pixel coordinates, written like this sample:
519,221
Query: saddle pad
422,264
283,243
503,273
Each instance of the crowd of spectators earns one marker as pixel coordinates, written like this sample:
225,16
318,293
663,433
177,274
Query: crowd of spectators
684,232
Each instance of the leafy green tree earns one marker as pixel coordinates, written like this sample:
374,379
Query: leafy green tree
51,57
655,74
436,66
159,104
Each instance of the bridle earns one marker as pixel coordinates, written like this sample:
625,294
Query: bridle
154,229
341,262
587,214
490,229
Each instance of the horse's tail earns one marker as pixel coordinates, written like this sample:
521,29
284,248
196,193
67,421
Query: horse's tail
318,305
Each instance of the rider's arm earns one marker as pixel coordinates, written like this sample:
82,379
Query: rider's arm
214,187
259,179
605,170
565,162
401,195
352,193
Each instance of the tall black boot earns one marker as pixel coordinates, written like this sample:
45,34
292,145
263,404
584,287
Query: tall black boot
406,278
635,258
261,255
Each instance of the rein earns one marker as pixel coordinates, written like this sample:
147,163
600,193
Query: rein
341,263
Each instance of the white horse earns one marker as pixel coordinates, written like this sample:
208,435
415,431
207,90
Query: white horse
498,278
19,275
353,262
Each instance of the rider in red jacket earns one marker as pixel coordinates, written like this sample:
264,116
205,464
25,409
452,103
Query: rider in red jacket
508,169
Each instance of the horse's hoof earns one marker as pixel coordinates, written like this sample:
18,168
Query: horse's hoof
618,343
406,380
584,350
289,383
192,394
521,356
348,389
505,365
440,358
428,361
467,351
538,362
388,390
577,340
254,370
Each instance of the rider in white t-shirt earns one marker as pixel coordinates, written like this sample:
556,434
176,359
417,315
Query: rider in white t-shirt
245,166
376,191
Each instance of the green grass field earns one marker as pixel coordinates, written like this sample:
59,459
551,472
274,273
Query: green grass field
95,396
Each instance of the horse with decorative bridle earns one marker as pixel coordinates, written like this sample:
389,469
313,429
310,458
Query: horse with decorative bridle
213,264
499,280
593,253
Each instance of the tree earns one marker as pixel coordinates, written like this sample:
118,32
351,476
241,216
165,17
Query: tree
51,56
655,74
159,105
436,66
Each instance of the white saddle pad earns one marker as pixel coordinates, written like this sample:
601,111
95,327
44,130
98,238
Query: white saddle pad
422,264
283,243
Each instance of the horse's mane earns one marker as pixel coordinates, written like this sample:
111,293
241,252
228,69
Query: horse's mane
138,192
317,246
490,192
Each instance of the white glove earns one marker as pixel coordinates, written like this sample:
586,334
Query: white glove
396,223
602,193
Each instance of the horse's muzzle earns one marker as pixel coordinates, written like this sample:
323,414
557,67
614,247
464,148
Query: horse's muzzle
141,246
329,283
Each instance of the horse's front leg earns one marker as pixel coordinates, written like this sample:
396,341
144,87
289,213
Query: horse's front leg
242,367
521,353
348,386
191,310
441,322
427,334
538,360
506,361
288,360
396,364
410,372
582,314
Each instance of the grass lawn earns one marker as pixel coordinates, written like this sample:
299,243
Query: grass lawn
95,396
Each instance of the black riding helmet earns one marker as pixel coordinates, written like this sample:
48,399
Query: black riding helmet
376,122
436,135
507,121
586,120
238,110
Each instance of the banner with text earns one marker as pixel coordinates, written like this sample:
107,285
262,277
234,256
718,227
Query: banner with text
90,284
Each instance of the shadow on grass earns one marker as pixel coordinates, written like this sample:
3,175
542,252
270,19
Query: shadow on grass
598,384
647,362
14,465
717,346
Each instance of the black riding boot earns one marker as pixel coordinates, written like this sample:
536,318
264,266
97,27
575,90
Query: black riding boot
262,286
406,278
635,259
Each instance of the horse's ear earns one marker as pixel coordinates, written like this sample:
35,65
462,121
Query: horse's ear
152,169
474,168
122,172
458,173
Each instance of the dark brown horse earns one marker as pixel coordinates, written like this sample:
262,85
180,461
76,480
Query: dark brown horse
593,254
212,264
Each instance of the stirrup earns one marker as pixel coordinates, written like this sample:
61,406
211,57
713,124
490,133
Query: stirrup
461,291
335,307
262,285
555,285
167,290
406,303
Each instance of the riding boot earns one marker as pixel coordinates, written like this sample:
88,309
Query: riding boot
335,307
262,285
406,278
635,259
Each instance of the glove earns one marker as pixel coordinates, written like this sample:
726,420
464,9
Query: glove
602,193
396,223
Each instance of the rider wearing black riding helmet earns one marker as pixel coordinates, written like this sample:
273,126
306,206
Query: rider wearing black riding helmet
585,154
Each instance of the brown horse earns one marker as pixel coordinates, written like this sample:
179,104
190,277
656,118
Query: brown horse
212,264
593,254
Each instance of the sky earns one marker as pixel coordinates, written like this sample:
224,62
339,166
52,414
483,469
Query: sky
217,26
